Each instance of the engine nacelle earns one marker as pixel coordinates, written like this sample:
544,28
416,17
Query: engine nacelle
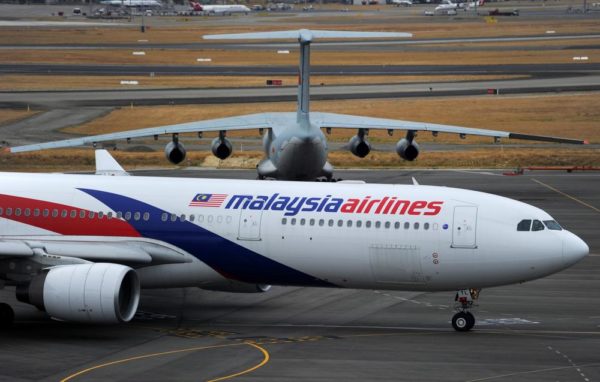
98,293
407,150
359,146
236,287
221,147
175,152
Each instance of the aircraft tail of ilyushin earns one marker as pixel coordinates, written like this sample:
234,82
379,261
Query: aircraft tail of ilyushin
304,37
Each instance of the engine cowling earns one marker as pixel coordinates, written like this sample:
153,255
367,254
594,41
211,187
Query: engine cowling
175,152
407,150
359,146
98,293
221,147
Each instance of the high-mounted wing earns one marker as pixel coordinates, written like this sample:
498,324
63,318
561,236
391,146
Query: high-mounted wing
331,120
242,122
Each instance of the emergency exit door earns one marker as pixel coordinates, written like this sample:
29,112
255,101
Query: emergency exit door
464,229
249,228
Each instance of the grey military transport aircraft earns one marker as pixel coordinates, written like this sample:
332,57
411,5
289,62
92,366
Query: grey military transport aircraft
294,144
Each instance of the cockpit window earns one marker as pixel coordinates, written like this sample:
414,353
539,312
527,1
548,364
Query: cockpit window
524,225
553,225
537,226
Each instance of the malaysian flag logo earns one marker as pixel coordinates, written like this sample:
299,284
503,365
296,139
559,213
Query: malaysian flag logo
208,200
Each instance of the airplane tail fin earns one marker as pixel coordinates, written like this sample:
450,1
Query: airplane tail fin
304,37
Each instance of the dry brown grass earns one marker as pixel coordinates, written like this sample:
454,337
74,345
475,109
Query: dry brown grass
244,58
569,115
11,115
185,33
41,82
497,157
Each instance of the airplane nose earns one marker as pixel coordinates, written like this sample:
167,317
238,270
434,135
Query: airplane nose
574,249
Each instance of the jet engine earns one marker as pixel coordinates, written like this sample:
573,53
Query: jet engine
221,147
98,293
359,146
408,150
175,152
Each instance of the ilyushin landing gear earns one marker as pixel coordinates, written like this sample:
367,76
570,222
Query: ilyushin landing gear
464,320
7,316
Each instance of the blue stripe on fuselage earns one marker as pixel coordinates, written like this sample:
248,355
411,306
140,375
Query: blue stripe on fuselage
226,257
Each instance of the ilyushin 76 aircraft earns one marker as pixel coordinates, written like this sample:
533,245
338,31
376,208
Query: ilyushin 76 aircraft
80,247
294,144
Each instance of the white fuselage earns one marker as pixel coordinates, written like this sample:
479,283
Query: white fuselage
404,237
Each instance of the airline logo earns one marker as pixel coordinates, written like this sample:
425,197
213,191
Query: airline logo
388,205
208,200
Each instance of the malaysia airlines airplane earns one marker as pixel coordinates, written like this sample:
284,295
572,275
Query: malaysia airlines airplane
223,9
294,144
80,247
450,5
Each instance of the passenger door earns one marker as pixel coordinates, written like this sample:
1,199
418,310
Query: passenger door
249,228
464,229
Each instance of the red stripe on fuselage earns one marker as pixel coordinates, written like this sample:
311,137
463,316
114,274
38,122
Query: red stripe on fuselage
77,225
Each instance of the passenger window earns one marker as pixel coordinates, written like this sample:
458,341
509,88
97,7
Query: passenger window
321,222
406,225
1,211
173,217
302,221
164,216
312,222
426,226
397,225
377,224
284,221
416,225
330,222
552,225
100,214
340,223
368,224
109,215
358,223
228,219
387,225
219,219
90,215
147,216
36,212
200,218
181,218
209,219
46,212
349,223
9,211
537,226
192,217
524,225
17,211
73,214
63,213
27,212
293,221
82,214
127,215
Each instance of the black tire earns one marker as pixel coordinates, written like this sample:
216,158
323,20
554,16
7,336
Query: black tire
470,320
7,316
460,322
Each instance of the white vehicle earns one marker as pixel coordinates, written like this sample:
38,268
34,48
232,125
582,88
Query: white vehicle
294,144
80,247
402,3
219,9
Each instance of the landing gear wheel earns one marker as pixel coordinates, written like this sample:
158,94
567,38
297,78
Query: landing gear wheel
463,321
7,316
470,320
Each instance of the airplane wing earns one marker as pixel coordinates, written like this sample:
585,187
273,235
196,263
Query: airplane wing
241,122
331,120
58,249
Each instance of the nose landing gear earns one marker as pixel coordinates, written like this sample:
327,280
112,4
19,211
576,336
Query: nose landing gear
464,320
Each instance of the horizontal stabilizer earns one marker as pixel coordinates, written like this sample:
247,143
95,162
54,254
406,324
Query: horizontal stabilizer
304,35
